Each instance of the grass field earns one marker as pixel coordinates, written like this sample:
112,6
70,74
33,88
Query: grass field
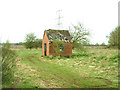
98,68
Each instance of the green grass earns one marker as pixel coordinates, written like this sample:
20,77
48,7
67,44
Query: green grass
98,68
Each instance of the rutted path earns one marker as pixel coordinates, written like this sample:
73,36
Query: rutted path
35,72
26,73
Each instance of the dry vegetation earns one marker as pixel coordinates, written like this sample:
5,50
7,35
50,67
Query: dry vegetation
98,68
17,47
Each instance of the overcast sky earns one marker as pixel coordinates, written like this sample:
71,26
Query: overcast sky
20,17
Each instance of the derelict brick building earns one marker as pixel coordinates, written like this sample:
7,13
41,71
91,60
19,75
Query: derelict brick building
50,35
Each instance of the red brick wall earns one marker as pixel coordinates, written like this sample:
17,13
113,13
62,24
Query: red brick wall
45,40
50,50
67,50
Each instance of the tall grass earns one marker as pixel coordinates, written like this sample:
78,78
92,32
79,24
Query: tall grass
0,68
9,60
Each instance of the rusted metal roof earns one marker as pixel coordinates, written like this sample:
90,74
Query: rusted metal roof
63,35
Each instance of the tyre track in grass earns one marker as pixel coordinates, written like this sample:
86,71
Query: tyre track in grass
41,70
72,82
53,74
25,74
32,53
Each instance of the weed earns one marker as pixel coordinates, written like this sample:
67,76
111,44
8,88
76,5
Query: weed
51,58
67,56
47,57
73,86
79,55
41,55
113,59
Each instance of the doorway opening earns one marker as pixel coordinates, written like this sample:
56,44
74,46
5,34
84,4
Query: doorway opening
45,49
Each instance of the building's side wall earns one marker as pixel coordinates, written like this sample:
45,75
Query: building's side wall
45,40
67,50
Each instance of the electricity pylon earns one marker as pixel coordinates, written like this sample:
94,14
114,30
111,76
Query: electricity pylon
59,24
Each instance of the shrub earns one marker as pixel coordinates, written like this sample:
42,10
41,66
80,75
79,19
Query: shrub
38,43
114,37
8,66
41,55
29,40
58,47
7,44
67,56
47,57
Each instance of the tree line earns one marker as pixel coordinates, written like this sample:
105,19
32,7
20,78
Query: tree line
79,35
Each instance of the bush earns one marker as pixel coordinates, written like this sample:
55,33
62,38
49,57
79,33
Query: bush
47,57
58,47
32,42
8,66
67,56
38,43
29,40
114,37
41,55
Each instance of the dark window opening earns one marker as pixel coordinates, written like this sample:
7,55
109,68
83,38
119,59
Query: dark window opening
62,48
